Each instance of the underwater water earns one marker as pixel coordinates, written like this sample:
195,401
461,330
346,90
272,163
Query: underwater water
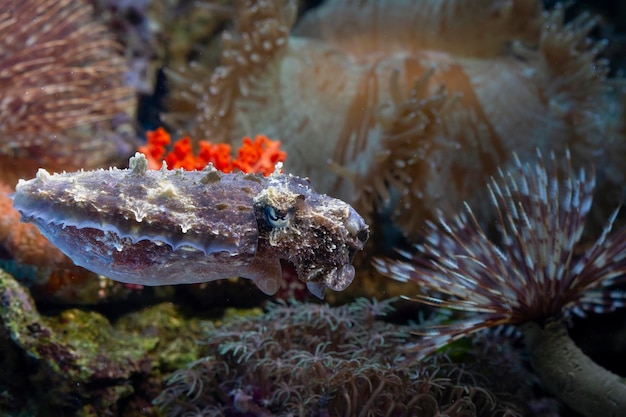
312,208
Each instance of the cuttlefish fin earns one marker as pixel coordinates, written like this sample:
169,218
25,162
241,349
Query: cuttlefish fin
266,273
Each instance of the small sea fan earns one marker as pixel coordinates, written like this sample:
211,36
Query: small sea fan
536,269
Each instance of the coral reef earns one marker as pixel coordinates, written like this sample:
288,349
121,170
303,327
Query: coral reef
295,357
306,359
416,104
71,363
536,273
404,108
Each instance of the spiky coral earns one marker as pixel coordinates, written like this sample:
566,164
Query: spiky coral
307,359
259,155
537,270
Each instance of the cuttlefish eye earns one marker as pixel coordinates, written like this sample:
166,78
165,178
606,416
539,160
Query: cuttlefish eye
363,235
275,219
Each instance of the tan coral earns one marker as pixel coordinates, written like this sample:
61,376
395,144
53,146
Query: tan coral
412,102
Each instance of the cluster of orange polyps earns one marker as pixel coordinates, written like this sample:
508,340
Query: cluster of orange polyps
254,156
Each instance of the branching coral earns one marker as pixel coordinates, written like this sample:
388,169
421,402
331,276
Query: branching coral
414,103
536,273
307,359
258,156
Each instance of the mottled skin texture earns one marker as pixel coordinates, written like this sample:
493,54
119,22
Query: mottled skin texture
174,227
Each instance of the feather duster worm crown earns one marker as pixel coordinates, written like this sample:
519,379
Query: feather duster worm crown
537,270
424,98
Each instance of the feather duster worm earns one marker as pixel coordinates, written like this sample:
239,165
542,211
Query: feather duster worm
414,102
536,275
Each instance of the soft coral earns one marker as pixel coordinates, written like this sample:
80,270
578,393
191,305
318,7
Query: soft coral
259,155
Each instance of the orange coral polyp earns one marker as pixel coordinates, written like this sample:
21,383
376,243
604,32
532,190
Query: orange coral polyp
218,154
154,149
181,155
258,156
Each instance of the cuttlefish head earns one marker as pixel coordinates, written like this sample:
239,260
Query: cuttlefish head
317,234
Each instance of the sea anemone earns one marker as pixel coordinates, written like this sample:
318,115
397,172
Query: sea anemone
407,106
536,273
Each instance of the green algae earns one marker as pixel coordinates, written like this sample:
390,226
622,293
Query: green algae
78,363
177,335
241,313
77,355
